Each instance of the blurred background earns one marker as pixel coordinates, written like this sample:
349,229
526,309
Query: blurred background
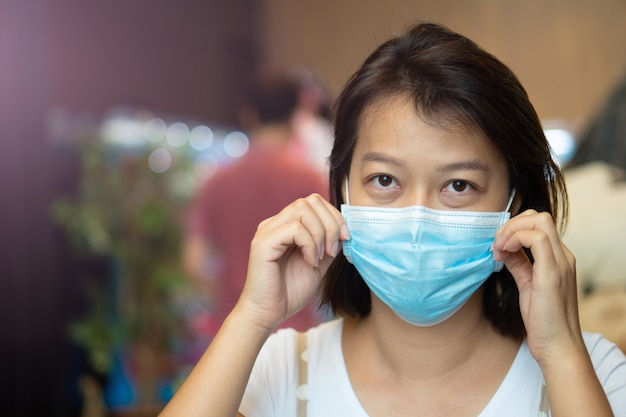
98,99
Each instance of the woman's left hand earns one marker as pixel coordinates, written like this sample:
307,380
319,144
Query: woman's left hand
547,287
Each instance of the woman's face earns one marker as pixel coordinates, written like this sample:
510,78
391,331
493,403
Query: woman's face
399,160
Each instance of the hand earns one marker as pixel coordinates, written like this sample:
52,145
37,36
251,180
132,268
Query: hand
548,299
289,255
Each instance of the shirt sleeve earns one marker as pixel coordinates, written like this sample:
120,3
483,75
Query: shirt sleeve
610,365
271,389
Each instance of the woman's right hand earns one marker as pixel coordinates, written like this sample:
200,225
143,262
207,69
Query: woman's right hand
289,255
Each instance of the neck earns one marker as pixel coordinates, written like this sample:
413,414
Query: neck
274,134
428,353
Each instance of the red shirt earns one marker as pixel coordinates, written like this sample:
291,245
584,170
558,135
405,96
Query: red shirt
230,205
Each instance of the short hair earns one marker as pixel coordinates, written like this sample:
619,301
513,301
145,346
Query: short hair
450,79
274,96
605,138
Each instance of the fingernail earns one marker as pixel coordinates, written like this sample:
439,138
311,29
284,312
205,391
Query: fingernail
335,248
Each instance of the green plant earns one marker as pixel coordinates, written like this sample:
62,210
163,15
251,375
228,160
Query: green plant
128,214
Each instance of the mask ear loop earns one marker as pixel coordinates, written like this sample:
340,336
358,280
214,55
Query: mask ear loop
508,206
346,216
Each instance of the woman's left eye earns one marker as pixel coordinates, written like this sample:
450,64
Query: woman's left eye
459,186
385,180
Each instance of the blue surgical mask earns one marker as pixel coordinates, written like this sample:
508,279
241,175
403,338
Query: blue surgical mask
423,263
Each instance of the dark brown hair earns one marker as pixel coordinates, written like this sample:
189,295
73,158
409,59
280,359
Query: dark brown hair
450,80
605,138
273,96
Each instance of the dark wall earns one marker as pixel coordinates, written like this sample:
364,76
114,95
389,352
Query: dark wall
176,57
179,56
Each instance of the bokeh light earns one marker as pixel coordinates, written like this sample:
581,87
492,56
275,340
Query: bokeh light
122,131
562,144
201,138
160,160
177,134
236,144
155,130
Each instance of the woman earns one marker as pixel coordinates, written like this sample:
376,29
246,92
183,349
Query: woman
446,306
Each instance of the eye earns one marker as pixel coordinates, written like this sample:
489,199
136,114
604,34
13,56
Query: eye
384,180
382,188
458,186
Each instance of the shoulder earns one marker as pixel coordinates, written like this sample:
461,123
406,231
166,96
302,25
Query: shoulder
603,352
327,330
212,185
272,385
281,345
609,363
283,341
280,352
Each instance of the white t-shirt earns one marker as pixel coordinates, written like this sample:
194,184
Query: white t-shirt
273,387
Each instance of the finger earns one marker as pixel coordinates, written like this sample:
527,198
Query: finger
312,221
275,242
327,209
299,211
541,248
335,228
529,220
322,219
518,264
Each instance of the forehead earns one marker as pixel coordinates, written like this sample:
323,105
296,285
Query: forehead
396,125
442,118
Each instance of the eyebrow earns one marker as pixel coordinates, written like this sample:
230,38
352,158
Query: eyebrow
473,164
379,157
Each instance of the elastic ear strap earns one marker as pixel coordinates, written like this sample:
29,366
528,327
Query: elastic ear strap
347,192
508,206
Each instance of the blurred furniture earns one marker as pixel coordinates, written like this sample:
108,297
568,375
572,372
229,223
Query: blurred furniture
605,312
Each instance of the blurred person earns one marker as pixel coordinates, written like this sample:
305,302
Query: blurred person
439,251
597,226
223,216
605,137
311,120
596,183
